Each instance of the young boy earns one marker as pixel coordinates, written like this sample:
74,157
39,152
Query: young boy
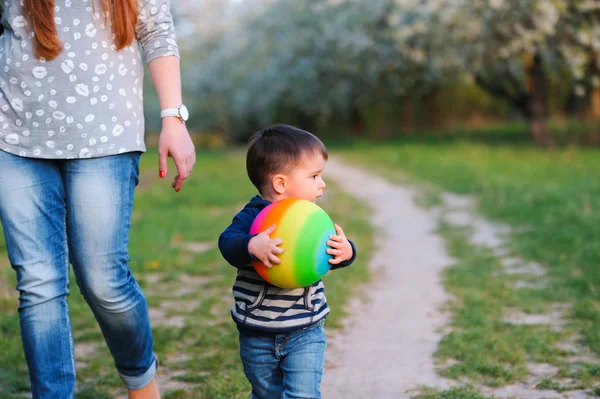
282,342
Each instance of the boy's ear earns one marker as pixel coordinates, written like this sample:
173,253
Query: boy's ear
279,183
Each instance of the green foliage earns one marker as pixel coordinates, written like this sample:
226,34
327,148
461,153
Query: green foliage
459,103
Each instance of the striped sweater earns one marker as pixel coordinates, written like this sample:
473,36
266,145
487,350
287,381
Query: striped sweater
259,305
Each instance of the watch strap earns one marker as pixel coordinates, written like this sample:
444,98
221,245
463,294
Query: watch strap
169,112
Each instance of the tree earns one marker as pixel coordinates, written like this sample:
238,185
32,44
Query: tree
508,46
311,59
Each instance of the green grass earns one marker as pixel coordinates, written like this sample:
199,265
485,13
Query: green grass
195,338
551,200
549,197
454,393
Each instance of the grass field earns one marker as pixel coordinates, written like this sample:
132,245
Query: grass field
187,284
551,200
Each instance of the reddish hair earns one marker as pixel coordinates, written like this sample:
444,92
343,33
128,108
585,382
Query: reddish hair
47,45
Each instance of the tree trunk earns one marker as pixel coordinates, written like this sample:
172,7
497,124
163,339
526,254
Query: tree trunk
357,121
536,86
595,102
576,106
594,112
595,94
306,122
408,115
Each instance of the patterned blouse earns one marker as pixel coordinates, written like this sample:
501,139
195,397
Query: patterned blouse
87,102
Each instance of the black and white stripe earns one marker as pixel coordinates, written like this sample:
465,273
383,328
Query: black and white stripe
264,307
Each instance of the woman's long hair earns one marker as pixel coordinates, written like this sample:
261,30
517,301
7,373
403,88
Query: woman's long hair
47,45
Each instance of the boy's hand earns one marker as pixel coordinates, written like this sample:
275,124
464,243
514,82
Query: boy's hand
265,248
340,247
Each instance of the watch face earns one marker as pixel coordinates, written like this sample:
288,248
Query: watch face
183,112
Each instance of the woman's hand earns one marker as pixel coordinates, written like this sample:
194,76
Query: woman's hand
175,142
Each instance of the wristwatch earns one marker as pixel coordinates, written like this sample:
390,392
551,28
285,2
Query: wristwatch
181,112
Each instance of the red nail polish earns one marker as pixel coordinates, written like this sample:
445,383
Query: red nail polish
161,174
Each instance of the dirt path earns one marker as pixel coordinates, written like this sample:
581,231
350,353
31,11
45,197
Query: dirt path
387,345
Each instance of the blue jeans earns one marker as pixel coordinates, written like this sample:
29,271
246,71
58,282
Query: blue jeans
284,366
56,212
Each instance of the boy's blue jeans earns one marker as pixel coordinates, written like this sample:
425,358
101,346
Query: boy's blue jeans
56,212
284,366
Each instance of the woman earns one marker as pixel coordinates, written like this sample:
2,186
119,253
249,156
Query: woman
71,134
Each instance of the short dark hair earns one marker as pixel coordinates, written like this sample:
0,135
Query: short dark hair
279,149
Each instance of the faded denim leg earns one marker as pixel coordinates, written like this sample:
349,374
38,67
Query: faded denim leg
32,210
303,363
261,365
99,194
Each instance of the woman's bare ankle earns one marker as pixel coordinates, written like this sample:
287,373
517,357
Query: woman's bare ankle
150,391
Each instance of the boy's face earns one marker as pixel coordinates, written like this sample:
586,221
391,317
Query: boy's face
305,180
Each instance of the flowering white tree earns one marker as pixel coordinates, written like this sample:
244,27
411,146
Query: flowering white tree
508,47
308,58
256,61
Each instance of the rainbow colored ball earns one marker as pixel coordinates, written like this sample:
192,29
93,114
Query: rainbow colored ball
304,229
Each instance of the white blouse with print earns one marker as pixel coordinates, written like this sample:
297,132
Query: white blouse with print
87,102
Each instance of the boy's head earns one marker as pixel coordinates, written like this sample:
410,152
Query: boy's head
286,162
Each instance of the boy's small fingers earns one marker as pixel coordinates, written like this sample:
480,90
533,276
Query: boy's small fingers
270,229
274,259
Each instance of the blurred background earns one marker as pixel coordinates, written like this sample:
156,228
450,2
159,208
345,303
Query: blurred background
387,68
